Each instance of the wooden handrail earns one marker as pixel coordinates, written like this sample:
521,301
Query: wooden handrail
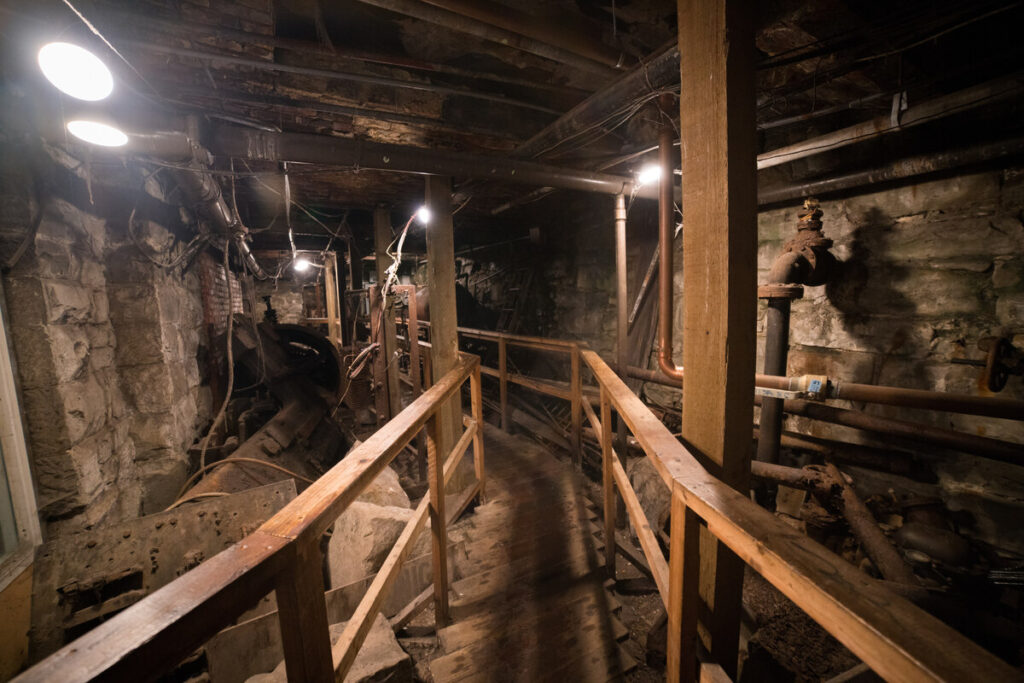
156,633
896,639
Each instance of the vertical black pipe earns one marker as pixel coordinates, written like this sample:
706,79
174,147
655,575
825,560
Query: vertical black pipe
776,349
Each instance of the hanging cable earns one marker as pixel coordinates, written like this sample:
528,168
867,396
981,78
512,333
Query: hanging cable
231,358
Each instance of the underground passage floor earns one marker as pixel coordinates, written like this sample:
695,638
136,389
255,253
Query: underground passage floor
533,604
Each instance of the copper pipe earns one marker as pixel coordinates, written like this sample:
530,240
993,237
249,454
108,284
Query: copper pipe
665,246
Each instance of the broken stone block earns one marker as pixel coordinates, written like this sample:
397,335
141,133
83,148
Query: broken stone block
654,496
363,536
67,302
386,490
380,658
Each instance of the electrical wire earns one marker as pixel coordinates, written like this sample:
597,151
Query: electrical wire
230,459
231,359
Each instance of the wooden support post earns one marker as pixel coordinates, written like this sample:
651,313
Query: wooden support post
380,394
444,336
477,399
413,331
302,612
382,238
503,381
333,295
577,406
683,592
718,143
438,530
608,484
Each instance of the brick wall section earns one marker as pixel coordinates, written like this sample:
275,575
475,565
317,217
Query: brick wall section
221,292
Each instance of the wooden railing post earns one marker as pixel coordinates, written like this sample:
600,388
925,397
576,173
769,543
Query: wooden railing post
438,531
577,407
503,381
477,401
683,591
302,613
608,483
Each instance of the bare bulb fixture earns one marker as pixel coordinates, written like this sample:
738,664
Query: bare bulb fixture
301,265
649,175
96,133
423,215
75,71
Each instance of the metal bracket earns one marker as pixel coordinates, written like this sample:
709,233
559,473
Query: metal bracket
778,393
899,105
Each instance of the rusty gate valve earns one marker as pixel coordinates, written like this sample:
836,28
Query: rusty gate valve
1002,360
812,244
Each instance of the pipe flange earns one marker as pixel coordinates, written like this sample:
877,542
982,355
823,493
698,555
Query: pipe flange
780,291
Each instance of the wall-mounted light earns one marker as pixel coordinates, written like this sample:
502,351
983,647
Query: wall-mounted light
75,71
97,133
649,175
301,265
423,215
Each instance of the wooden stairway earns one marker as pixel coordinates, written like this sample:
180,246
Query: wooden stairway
533,605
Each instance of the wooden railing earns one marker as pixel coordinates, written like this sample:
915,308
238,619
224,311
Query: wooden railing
284,556
571,391
897,640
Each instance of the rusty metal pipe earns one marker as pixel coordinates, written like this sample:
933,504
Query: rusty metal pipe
666,248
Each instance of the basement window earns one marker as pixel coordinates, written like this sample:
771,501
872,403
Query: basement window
20,531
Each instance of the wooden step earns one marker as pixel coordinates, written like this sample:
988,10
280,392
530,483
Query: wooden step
528,653
562,609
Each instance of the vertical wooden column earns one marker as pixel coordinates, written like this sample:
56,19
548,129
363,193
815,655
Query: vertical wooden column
503,381
302,612
576,387
438,529
382,238
415,373
444,340
718,143
608,484
380,394
683,592
477,399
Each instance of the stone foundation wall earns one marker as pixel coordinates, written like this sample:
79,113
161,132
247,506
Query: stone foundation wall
105,340
926,271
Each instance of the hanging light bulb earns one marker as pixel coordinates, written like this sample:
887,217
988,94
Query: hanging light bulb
649,175
96,133
75,71
423,215
301,265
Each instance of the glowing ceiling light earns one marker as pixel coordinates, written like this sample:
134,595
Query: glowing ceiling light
75,71
96,133
423,215
301,265
649,175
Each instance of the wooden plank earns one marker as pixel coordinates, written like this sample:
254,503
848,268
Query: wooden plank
503,382
713,673
444,340
657,566
382,238
157,632
683,592
648,541
321,504
415,370
719,144
333,300
302,612
409,612
347,647
608,484
896,639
